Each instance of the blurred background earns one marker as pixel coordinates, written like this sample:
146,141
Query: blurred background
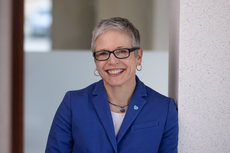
58,56
38,25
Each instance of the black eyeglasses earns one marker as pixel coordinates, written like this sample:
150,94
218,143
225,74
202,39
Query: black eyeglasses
120,53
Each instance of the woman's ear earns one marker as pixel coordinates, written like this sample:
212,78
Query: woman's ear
139,56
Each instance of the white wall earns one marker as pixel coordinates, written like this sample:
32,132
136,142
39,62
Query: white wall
49,75
200,65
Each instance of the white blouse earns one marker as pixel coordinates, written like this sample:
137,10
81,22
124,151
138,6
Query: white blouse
117,121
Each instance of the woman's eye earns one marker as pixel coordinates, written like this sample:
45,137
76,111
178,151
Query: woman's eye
123,51
102,53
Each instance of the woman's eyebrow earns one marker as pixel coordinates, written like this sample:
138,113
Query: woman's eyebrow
119,47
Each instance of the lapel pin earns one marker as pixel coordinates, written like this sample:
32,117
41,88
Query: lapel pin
135,107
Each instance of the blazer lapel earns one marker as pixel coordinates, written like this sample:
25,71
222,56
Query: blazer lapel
135,106
101,105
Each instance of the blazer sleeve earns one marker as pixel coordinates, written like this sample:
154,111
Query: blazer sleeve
60,136
169,140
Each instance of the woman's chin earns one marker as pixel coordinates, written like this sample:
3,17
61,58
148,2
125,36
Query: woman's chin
113,83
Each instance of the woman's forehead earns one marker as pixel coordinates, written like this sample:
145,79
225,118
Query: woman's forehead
113,38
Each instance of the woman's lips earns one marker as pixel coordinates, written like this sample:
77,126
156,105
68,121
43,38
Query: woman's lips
115,71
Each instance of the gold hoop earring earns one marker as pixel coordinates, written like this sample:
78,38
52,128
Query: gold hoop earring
139,69
95,73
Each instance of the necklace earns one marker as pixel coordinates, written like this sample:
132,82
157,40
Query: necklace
122,106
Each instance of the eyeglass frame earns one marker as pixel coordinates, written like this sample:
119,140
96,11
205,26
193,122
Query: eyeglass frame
129,49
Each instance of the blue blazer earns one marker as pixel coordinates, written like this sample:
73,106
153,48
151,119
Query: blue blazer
83,123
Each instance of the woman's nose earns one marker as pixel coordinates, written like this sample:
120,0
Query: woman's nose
112,59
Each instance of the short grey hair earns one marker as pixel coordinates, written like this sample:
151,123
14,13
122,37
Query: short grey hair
116,24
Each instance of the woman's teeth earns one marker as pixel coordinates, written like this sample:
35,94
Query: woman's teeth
115,71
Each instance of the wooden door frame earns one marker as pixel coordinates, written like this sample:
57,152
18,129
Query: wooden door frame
17,76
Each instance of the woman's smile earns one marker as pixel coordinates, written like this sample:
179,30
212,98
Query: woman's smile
115,71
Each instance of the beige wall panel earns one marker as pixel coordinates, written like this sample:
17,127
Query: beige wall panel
140,13
149,16
73,22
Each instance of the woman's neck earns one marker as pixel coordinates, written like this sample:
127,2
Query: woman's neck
120,95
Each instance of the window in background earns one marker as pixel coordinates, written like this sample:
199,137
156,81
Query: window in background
37,25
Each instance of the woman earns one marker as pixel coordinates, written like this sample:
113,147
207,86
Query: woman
118,113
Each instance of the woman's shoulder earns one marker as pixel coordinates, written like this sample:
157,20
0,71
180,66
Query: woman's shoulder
153,96
153,93
149,93
156,99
